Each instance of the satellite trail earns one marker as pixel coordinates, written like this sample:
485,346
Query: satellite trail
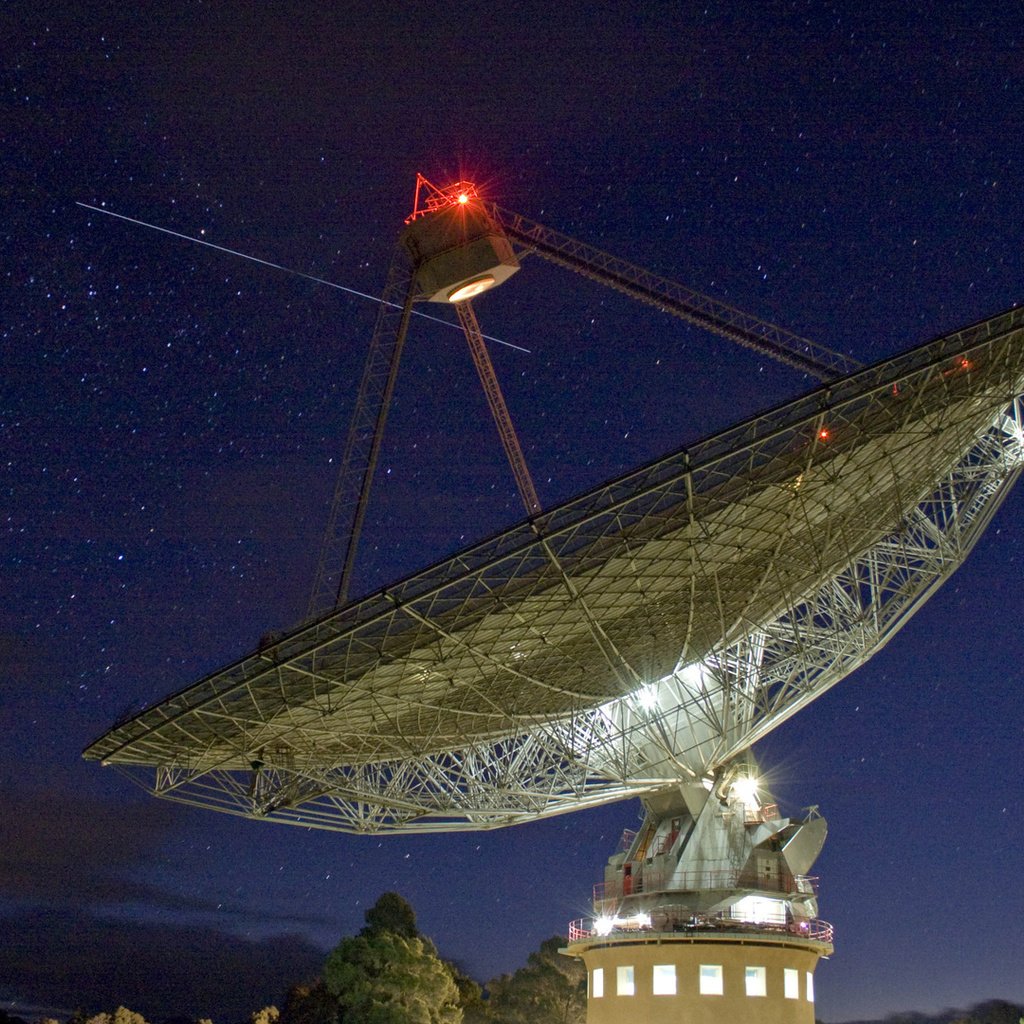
287,270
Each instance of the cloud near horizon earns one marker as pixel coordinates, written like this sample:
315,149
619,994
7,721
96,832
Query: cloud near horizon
69,959
64,852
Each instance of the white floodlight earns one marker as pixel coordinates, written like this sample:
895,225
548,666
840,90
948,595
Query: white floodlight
648,697
745,790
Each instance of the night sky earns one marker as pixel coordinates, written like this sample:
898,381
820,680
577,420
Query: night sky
171,418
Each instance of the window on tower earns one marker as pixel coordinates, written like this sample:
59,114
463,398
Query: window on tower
757,981
791,982
664,980
624,981
711,982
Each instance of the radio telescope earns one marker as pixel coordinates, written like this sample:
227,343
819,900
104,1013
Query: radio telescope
632,642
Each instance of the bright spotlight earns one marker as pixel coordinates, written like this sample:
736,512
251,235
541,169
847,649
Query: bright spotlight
744,789
648,697
471,288
603,925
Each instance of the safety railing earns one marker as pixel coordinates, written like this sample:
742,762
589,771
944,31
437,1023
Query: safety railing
652,881
661,921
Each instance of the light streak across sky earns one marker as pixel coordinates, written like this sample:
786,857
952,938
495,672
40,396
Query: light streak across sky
287,270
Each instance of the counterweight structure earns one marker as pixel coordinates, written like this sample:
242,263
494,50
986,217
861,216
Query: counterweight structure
635,641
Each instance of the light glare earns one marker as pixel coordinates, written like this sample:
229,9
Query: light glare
744,789
471,288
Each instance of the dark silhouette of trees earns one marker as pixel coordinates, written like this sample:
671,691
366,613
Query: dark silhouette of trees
309,1004
993,1011
391,913
471,996
550,989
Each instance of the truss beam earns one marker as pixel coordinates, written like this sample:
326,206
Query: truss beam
359,460
671,297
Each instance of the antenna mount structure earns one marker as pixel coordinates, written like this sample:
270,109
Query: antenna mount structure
635,641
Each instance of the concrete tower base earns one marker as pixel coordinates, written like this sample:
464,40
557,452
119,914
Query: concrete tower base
665,978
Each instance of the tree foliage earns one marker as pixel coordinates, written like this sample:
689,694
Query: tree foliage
994,1011
550,989
268,1015
122,1015
310,1004
470,993
388,974
391,913
384,978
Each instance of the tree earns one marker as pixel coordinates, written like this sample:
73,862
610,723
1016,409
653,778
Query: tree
122,1015
381,977
550,989
471,1000
310,1004
391,913
268,1015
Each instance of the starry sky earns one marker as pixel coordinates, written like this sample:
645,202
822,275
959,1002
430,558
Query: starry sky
171,418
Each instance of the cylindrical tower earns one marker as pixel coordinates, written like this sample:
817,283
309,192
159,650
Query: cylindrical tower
746,977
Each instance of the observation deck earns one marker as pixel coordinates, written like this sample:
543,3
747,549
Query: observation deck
704,928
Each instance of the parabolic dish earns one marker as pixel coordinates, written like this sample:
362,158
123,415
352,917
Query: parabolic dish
647,631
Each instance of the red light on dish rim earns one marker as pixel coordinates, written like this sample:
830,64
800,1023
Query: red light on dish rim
463,199
824,434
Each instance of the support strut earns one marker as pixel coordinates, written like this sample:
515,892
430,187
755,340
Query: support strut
352,491
495,399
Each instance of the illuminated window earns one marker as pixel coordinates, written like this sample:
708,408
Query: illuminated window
810,987
624,981
711,980
759,910
791,982
664,979
757,981
597,985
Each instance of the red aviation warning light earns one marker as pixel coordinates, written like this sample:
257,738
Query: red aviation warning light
457,248
429,198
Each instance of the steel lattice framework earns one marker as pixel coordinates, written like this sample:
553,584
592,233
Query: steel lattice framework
649,630
672,297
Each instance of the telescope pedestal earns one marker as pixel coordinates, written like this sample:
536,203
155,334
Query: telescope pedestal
707,913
